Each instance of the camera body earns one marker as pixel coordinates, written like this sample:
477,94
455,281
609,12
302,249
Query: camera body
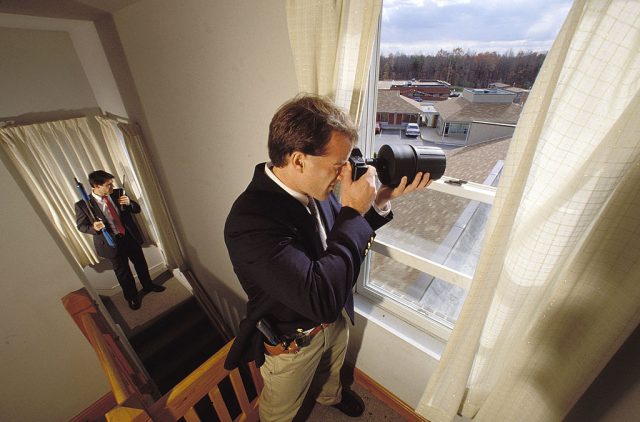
359,164
392,162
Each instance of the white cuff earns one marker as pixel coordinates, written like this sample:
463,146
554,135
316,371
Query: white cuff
382,212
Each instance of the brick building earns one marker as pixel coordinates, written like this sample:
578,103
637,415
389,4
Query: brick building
419,90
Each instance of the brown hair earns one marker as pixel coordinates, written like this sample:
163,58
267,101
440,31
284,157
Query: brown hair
305,123
99,177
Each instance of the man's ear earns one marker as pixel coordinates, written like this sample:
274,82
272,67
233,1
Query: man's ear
298,160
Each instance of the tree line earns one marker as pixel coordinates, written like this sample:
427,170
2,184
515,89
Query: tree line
467,69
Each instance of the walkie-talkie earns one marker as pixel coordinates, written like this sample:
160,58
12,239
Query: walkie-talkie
124,174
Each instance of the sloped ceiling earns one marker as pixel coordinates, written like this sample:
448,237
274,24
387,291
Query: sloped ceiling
64,9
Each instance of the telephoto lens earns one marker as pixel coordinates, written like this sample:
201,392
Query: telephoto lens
395,161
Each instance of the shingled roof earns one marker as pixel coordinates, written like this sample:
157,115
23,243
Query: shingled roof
461,110
392,102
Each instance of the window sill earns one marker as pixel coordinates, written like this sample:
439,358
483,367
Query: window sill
397,327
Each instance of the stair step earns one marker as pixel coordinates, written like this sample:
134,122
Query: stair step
198,333
177,343
172,366
172,325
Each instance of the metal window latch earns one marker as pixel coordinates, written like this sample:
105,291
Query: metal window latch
457,182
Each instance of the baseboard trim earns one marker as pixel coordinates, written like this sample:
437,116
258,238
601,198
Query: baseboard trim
97,410
386,396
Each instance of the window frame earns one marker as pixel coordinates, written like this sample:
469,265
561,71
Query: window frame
473,191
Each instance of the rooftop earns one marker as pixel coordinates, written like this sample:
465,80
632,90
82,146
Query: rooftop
491,91
393,102
419,83
516,89
461,110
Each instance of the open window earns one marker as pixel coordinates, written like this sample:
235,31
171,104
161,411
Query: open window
422,262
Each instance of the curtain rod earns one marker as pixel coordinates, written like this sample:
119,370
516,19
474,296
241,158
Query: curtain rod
115,117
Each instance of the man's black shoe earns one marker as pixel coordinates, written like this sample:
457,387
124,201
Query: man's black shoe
154,288
351,404
134,303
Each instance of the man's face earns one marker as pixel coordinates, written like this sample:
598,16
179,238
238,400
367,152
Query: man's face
104,189
322,172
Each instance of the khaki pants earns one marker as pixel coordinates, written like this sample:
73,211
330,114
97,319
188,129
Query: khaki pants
288,377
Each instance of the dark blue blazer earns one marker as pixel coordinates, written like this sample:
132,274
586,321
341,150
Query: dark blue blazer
278,257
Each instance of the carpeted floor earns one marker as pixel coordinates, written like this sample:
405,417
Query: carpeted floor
153,305
374,410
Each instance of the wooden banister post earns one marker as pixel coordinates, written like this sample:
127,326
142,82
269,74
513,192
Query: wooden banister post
132,410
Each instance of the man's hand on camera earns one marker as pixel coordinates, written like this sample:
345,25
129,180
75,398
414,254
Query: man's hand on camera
359,194
387,193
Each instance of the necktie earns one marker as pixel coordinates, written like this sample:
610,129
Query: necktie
319,226
114,215
313,208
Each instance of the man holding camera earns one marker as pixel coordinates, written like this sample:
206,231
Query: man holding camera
113,212
297,252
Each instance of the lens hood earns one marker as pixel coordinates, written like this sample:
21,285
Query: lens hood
395,161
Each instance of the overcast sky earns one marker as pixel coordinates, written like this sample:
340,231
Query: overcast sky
426,26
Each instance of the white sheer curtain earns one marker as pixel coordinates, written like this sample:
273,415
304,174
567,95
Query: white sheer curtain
332,41
126,147
48,156
557,288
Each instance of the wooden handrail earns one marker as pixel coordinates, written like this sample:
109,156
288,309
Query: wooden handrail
130,387
179,402
204,381
108,362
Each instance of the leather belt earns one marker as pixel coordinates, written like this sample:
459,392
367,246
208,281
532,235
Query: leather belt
295,344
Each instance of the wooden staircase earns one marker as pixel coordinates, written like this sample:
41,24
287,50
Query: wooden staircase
176,344
184,358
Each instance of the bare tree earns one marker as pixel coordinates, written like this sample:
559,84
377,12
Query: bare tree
468,69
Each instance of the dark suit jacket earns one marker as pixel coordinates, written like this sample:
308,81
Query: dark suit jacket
280,262
84,223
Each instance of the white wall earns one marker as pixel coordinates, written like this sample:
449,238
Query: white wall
481,132
615,394
41,73
48,367
497,96
209,76
389,359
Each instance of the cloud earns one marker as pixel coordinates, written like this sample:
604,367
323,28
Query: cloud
426,26
549,22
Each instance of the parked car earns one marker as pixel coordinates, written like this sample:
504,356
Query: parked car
412,130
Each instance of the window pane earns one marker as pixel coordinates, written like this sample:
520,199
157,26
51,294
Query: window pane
419,291
442,228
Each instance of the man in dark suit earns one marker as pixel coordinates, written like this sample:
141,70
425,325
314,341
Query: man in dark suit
297,253
113,210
